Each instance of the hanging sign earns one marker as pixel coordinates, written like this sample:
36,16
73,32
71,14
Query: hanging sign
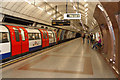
60,22
72,16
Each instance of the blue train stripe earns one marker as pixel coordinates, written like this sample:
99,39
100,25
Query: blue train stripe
5,55
35,48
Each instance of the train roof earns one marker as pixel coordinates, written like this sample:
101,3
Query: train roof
3,29
32,30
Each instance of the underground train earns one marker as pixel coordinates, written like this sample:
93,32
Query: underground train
17,40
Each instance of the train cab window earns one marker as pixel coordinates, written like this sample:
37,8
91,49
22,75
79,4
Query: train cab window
22,34
16,34
4,37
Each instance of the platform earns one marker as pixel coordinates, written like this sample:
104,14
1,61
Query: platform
71,59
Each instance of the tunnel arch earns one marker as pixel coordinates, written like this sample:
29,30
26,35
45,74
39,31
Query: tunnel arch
108,24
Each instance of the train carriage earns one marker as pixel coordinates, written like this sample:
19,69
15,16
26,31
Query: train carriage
45,38
17,40
51,38
35,41
5,50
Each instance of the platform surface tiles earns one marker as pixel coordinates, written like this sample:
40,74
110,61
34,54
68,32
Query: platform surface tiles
71,59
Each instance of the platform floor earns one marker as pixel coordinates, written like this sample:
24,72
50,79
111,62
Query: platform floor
71,59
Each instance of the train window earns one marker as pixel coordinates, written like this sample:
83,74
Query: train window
22,34
40,35
50,35
44,35
37,36
16,34
31,37
4,37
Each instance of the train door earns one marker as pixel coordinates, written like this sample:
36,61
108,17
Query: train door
54,34
15,40
43,38
25,42
47,38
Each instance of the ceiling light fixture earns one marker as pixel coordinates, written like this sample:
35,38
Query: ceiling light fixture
28,2
45,0
85,0
101,8
86,9
40,8
71,0
85,5
49,13
86,13
74,7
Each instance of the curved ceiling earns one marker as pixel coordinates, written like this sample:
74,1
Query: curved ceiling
44,11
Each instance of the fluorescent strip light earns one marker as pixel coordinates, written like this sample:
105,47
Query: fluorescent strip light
28,2
40,8
49,13
71,0
86,13
101,8
45,0
86,9
74,7
85,0
85,5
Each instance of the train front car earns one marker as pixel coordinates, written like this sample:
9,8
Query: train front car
5,51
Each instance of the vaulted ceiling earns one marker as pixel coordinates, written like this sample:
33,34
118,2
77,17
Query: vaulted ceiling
43,11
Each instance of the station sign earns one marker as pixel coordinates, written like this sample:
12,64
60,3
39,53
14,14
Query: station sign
60,22
72,16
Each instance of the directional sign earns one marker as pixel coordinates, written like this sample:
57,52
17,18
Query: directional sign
60,22
72,16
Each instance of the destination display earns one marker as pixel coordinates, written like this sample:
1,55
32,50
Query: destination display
72,16
60,23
